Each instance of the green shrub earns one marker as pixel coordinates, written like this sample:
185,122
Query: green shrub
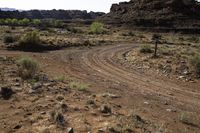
27,67
145,49
9,39
97,28
79,86
195,61
60,78
30,40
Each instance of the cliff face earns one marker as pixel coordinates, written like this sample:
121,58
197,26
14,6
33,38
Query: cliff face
167,13
53,14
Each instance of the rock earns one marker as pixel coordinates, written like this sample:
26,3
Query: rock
43,113
181,77
110,95
70,130
154,13
6,92
16,89
36,86
147,103
170,110
105,109
17,127
90,102
64,107
59,98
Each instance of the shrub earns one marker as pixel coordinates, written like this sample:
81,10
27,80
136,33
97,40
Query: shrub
79,86
27,67
97,28
195,61
145,49
9,39
31,40
60,78
57,117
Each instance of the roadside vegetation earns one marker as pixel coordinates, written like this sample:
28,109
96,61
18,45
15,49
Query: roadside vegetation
27,67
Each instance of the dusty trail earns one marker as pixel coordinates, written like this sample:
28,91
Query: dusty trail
100,62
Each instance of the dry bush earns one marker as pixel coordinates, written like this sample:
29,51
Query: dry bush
27,67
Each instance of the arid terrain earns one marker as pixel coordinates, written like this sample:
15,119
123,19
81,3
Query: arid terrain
103,88
87,76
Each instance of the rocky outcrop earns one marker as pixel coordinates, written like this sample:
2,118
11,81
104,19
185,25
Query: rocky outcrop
50,14
151,13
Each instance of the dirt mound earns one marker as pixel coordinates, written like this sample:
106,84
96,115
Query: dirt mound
148,13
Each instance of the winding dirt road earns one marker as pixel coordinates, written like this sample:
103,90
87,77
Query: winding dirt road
156,98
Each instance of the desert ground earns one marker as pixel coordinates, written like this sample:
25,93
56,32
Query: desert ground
93,83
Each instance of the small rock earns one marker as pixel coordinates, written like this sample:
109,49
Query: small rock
105,109
165,103
70,130
110,95
64,107
43,113
147,103
59,98
17,127
36,86
16,84
90,102
181,77
170,110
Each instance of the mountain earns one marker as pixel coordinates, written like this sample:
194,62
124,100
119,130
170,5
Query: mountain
8,9
155,13
49,14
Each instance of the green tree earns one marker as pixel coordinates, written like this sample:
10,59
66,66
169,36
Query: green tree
24,22
36,22
14,22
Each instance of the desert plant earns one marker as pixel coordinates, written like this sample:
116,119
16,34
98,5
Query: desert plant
8,39
183,118
27,67
60,78
156,38
79,86
195,61
145,49
97,28
30,40
57,117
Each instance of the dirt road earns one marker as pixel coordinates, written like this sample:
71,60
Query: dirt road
155,98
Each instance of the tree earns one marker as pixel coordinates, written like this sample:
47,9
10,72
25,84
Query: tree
24,22
36,22
156,38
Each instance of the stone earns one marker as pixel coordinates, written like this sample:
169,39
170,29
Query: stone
59,98
70,130
105,109
36,86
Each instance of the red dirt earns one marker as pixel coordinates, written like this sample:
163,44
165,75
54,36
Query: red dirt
157,99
